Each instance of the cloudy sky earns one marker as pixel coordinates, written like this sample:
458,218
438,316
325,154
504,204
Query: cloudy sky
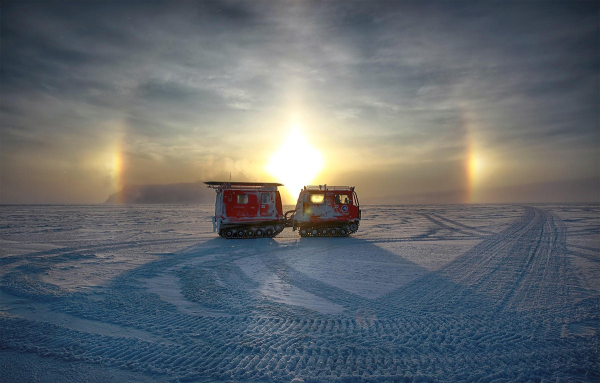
410,101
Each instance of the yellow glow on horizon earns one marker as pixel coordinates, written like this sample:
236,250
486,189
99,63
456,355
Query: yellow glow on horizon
476,172
116,162
475,167
296,163
477,160
117,166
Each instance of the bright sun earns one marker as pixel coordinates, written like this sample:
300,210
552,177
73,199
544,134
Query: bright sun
296,163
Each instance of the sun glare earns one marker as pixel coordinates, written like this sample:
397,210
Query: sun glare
296,163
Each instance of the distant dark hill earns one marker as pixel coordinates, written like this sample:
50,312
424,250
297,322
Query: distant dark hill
196,193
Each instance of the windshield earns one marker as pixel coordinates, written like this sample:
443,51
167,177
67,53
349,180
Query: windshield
317,198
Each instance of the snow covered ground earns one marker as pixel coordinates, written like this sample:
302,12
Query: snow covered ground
420,293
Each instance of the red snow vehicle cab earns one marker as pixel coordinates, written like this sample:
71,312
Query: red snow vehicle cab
326,211
247,209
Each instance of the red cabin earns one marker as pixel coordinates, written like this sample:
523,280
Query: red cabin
326,211
247,209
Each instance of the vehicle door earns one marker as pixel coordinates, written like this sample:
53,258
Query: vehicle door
342,205
241,204
267,204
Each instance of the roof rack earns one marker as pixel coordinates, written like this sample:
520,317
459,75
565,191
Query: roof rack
325,187
241,185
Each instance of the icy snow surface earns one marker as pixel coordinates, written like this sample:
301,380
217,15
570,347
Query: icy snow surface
420,293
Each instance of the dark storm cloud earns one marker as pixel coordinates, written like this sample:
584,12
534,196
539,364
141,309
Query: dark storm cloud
385,77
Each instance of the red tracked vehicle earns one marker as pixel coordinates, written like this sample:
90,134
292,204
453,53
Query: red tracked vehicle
325,211
247,209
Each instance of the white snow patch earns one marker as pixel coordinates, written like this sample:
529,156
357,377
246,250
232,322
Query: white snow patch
430,255
371,270
273,287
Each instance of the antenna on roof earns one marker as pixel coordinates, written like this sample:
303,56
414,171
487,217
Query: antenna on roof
229,176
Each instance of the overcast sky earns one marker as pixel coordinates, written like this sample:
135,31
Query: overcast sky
409,101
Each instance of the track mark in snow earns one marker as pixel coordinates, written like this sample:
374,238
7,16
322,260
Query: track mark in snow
593,249
167,287
271,285
508,309
352,265
524,268
594,258
477,231
42,312
452,228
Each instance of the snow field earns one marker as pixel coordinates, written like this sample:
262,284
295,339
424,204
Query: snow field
485,293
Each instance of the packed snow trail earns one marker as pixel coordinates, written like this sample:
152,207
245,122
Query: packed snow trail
488,293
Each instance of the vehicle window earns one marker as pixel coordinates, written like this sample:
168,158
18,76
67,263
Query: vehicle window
266,198
242,198
317,198
342,199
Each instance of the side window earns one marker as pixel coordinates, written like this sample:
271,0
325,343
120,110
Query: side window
317,198
342,199
266,198
242,198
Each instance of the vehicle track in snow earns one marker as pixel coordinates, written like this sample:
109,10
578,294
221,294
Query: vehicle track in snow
593,249
454,226
521,268
468,229
501,311
593,258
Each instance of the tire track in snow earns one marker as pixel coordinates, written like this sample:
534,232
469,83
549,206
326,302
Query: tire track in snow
459,324
453,228
539,281
311,285
87,249
584,232
594,249
461,225
417,239
521,268
452,288
594,258
394,349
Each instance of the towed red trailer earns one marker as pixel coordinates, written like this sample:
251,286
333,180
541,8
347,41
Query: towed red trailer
247,209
